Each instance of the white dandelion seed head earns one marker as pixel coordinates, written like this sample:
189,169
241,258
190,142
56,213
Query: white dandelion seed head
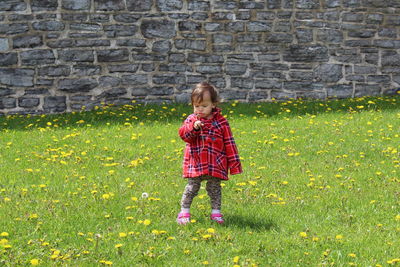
145,195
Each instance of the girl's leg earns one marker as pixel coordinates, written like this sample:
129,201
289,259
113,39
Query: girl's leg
191,190
213,188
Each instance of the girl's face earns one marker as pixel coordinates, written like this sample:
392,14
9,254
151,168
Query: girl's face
204,108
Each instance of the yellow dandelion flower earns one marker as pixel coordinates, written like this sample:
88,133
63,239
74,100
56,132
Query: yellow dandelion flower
147,222
211,230
303,234
236,259
339,237
206,236
34,262
352,255
4,234
118,245
122,234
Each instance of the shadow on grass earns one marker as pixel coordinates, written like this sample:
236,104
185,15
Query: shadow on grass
250,222
175,113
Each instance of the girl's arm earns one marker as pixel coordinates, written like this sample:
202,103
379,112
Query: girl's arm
187,132
232,153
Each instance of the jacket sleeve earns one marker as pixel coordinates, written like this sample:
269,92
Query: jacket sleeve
187,132
232,154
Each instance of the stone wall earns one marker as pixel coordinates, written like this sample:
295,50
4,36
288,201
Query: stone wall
61,55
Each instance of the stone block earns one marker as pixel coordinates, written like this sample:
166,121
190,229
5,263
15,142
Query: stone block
90,27
177,57
4,46
92,43
54,71
274,4
28,102
109,81
132,42
13,28
235,27
233,95
242,83
366,90
180,68
120,30
328,73
110,5
381,79
127,17
255,96
114,92
135,79
112,55
86,70
332,3
199,45
304,35
6,92
199,5
139,5
169,5
387,44
259,26
222,38
205,58
306,53
13,5
123,68
189,26
163,46
267,84
76,55
302,86
44,5
235,69
361,33
251,5
55,104
37,57
209,69
28,41
77,85
8,59
279,38
76,4
330,36
158,29
169,79
307,4
374,18
50,25
152,57
7,102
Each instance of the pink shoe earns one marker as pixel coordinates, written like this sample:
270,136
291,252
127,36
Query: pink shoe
217,217
183,218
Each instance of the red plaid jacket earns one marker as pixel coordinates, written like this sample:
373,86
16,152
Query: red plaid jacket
211,150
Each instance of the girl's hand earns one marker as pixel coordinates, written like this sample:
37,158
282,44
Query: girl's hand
197,125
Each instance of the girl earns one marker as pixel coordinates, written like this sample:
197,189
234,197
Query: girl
210,151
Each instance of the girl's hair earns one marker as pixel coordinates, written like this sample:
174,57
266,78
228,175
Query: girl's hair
200,89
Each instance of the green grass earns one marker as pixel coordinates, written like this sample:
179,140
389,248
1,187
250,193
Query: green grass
320,187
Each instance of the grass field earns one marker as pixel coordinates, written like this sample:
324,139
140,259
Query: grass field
321,186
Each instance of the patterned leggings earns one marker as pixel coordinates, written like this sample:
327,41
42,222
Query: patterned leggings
192,188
